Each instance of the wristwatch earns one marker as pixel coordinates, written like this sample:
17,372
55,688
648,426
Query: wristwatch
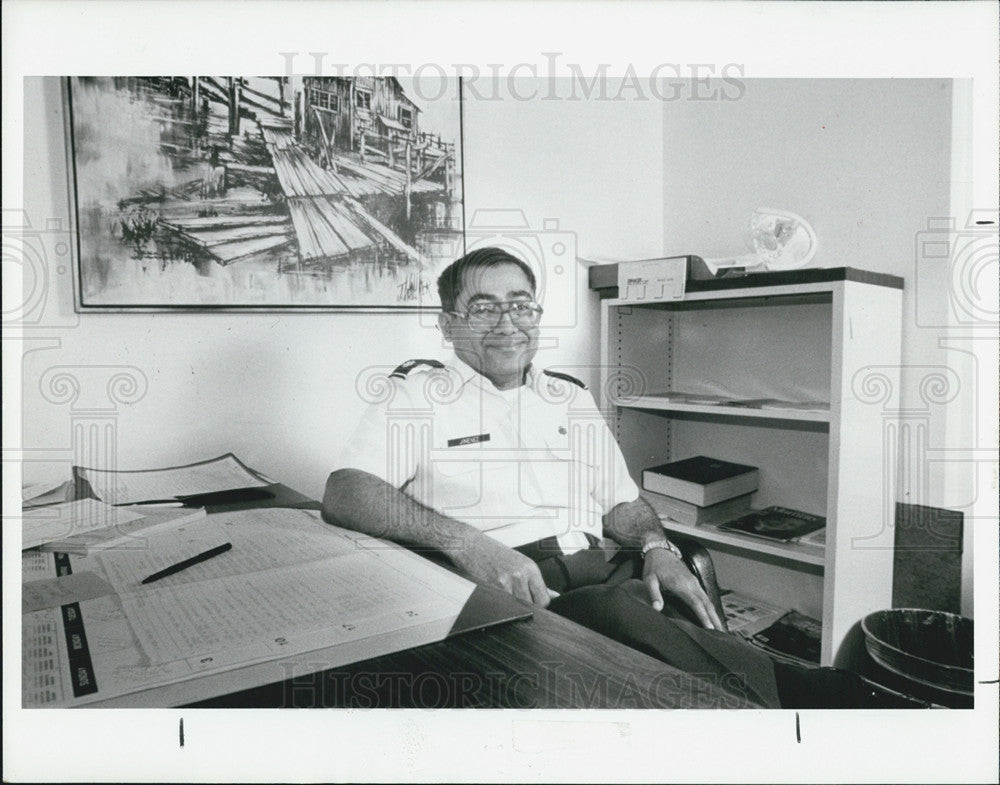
663,543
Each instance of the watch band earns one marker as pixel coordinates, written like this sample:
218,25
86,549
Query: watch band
665,544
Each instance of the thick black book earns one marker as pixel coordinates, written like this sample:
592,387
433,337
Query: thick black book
776,523
701,480
692,515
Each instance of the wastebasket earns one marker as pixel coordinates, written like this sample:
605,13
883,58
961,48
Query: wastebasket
931,652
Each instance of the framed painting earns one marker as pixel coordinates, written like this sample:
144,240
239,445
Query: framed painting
237,192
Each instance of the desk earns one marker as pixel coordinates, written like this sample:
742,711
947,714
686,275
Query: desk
543,662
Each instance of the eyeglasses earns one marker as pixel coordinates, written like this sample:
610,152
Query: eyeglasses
487,315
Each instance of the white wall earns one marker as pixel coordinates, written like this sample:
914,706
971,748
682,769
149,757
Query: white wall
278,389
589,167
868,164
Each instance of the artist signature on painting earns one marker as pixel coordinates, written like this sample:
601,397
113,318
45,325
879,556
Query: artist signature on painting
413,288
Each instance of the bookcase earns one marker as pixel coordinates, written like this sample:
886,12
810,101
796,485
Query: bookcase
822,335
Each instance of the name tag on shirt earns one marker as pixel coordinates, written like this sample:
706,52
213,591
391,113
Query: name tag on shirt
482,437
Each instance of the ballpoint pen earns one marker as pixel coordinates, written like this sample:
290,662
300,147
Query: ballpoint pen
183,565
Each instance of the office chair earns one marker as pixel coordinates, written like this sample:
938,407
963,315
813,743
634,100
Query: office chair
699,561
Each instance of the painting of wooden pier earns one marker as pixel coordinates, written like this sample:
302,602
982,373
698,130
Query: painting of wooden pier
263,192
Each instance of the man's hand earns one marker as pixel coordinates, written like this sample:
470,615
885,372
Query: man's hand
366,503
491,562
662,571
634,524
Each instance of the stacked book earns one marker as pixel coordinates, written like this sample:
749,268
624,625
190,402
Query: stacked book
700,490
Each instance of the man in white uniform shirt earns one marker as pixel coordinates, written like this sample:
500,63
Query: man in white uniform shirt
484,441
511,472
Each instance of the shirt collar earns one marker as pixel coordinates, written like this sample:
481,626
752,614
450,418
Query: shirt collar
468,374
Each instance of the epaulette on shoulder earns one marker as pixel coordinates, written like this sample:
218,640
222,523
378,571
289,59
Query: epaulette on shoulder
566,378
403,370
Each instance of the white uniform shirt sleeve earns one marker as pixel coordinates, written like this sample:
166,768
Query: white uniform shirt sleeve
379,444
613,484
618,485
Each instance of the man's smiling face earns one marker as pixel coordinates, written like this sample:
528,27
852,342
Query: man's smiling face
502,352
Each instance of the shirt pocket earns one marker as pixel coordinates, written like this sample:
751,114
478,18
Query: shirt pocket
462,484
553,473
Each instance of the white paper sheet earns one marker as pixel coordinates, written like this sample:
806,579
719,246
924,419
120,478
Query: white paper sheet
263,539
130,487
36,565
128,535
53,592
44,493
59,521
290,585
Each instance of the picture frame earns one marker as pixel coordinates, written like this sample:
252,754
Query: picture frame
288,193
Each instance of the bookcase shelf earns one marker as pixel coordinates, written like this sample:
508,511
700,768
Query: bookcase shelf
722,410
792,551
831,335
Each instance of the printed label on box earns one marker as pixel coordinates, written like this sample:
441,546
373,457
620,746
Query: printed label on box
652,280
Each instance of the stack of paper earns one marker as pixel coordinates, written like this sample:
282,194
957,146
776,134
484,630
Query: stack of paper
292,589
149,623
87,525
177,482
42,493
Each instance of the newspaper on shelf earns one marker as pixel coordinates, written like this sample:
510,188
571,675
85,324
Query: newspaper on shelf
747,615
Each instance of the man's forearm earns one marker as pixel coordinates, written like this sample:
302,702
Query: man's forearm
361,501
633,524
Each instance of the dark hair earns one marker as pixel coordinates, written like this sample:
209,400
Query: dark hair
453,276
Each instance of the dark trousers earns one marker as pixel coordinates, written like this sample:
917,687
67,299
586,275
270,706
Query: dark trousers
601,591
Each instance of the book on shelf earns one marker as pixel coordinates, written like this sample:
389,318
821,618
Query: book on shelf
817,537
782,524
701,480
778,404
683,512
802,406
794,637
711,399
747,615
693,398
